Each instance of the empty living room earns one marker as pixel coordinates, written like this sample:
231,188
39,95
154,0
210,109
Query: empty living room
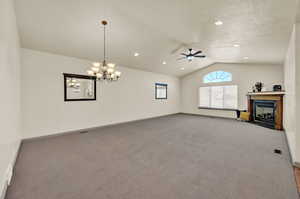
140,99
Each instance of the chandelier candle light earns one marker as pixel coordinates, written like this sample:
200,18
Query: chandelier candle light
103,70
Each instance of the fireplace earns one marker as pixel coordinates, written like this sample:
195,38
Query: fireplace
266,109
264,112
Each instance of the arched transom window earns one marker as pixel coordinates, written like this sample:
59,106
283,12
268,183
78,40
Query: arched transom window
217,76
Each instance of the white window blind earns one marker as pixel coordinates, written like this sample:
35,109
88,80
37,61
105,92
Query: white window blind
223,97
161,92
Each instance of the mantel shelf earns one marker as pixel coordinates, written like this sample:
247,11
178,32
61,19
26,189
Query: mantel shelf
267,93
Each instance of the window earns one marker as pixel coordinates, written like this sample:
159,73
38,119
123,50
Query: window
219,97
217,76
161,91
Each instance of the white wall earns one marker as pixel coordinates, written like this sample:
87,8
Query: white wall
297,92
289,114
292,97
131,98
243,75
9,81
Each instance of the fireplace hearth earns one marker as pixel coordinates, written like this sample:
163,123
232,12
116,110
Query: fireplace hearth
266,109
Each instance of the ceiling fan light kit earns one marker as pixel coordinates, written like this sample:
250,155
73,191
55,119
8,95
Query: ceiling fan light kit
190,55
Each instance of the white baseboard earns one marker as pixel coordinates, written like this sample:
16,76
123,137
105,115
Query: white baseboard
3,191
211,116
292,158
28,139
9,172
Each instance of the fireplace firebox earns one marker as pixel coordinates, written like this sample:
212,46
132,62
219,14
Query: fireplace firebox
266,109
264,112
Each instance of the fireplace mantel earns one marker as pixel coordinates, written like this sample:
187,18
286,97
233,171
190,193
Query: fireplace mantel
268,96
267,93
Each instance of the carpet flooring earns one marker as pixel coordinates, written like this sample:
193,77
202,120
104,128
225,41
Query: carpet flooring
172,157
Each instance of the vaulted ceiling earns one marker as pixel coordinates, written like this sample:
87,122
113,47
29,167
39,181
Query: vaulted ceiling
159,30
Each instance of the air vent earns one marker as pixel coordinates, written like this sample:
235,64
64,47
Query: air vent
83,132
278,151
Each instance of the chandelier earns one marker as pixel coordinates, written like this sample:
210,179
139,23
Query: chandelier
103,70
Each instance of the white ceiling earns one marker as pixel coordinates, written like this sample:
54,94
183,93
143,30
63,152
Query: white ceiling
298,12
156,28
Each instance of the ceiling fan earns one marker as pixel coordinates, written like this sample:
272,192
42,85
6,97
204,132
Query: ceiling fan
190,55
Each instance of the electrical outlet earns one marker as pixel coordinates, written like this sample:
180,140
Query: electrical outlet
278,151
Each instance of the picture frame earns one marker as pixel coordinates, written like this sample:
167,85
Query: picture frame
79,87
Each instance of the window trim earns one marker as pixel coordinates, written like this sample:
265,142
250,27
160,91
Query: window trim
161,84
215,108
212,82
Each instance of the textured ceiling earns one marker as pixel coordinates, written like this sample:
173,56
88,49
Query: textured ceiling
159,30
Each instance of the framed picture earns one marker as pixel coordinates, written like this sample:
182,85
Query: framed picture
161,91
79,87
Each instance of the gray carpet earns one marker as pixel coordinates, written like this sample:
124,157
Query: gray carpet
172,157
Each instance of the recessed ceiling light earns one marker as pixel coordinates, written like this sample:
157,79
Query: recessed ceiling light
182,68
164,63
218,23
246,57
136,54
236,45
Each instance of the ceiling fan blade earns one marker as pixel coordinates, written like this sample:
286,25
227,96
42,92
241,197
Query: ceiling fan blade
200,56
183,54
181,58
196,53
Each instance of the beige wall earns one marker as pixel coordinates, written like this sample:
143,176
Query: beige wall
10,97
243,75
297,91
131,98
289,117
292,96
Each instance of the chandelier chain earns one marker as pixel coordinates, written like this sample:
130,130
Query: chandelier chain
104,46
